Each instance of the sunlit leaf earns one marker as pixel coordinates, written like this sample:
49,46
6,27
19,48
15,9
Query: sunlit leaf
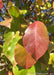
23,11
8,37
10,4
14,11
53,5
51,59
36,39
9,49
15,70
29,71
48,4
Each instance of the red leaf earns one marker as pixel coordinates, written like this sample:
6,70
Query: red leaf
36,39
23,58
1,4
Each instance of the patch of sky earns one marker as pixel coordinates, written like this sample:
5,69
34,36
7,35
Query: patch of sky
32,1
1,19
3,10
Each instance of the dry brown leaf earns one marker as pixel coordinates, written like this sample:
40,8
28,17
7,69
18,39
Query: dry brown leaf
6,22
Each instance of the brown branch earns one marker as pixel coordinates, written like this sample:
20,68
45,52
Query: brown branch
26,21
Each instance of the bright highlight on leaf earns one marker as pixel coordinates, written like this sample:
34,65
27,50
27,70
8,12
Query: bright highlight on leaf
36,39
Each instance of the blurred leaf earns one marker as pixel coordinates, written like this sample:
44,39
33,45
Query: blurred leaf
30,71
15,70
9,49
22,57
10,4
23,72
51,59
23,27
17,2
8,37
14,11
17,22
42,63
50,28
39,2
48,4
3,72
36,40
1,4
51,48
1,49
23,11
53,5
51,54
6,22
45,58
9,73
40,67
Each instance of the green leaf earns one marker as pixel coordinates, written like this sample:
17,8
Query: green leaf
48,4
14,11
23,11
40,67
9,49
1,49
30,71
3,72
8,37
43,61
23,72
15,70
50,28
10,3
51,59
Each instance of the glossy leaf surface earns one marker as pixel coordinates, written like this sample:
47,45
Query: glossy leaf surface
36,39
22,57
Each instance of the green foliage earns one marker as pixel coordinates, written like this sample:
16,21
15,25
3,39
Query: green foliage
8,48
15,24
50,29
29,71
14,11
